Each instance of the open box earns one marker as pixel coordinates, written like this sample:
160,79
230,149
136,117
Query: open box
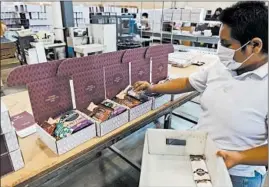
159,71
89,87
50,98
117,79
169,165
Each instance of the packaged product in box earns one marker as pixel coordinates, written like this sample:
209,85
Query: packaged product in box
160,99
108,116
10,162
66,124
89,94
180,159
60,127
137,103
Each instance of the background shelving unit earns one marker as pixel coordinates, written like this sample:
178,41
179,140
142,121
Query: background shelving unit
34,16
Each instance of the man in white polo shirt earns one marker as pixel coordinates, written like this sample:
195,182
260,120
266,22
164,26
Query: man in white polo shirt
234,91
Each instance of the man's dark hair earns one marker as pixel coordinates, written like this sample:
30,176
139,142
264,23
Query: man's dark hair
145,15
134,16
247,20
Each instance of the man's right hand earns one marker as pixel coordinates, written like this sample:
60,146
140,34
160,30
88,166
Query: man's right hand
141,86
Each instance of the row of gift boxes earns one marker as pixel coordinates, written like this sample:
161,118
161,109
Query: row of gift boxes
96,128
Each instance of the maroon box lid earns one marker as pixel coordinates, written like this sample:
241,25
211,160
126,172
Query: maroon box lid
50,97
140,71
134,54
159,50
159,68
169,48
29,73
116,79
107,59
72,66
88,87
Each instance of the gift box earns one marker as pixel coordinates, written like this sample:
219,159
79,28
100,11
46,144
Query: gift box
139,70
5,126
180,159
135,110
11,162
104,127
117,79
51,98
159,70
160,101
8,142
89,87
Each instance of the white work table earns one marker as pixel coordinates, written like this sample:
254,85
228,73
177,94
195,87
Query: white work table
84,50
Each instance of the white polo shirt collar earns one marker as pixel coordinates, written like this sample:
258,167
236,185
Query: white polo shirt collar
259,73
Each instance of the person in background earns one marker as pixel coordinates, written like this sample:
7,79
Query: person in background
145,22
133,25
216,15
234,90
3,29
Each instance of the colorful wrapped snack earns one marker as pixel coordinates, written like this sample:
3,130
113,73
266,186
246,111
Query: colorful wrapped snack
128,101
61,131
117,110
99,113
74,120
49,128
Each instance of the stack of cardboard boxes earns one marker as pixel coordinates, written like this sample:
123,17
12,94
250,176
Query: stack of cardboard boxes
11,157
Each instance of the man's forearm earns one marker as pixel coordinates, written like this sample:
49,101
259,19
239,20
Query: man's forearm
255,156
176,86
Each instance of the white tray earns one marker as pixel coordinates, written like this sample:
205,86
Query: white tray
169,165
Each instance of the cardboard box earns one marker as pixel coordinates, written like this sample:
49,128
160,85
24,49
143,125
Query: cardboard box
89,87
10,162
8,142
160,101
140,110
5,120
169,165
66,144
102,128
50,98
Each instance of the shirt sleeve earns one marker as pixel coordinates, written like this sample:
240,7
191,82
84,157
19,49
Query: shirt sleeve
198,80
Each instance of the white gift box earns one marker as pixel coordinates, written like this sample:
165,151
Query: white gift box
170,165
140,110
66,144
160,101
5,120
102,128
9,142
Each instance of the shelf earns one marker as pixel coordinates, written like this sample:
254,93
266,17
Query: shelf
40,25
193,48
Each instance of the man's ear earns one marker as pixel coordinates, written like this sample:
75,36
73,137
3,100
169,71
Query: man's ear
257,45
